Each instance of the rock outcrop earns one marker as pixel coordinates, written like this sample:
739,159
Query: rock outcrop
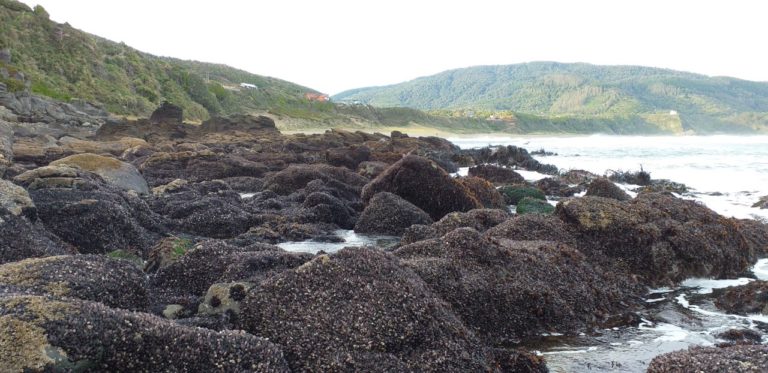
424,184
389,214
112,170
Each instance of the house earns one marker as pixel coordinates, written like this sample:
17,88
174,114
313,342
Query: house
318,97
248,86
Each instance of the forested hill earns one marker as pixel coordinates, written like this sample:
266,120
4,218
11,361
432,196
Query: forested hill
59,61
553,90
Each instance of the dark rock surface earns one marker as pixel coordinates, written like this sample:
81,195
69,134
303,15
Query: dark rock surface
426,185
603,187
389,214
167,113
485,193
381,312
751,298
114,282
510,156
195,166
496,174
22,238
479,220
663,238
735,359
507,290
73,335
90,214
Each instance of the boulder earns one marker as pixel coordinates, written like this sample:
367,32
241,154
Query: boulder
532,227
239,122
479,220
507,290
424,184
734,359
740,336
484,192
114,282
389,214
167,113
510,156
349,157
114,171
751,298
360,303
94,216
42,334
602,187
322,207
371,169
15,199
22,237
660,237
496,174
552,186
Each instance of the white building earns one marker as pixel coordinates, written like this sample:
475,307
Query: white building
248,86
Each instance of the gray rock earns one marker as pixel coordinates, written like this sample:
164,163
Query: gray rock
112,170
14,198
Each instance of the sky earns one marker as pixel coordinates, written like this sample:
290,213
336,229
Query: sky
335,45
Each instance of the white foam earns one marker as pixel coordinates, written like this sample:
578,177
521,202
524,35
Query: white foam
760,270
706,286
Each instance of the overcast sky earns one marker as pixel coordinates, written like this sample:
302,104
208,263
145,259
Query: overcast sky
334,45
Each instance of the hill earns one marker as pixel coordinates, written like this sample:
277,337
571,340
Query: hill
550,92
59,61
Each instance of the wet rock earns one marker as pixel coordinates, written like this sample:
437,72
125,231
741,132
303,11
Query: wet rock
90,214
756,234
349,157
603,187
162,167
762,203
244,184
22,237
256,266
507,290
371,169
297,177
496,174
116,283
663,238
208,209
114,171
510,156
532,227
198,267
479,220
389,214
167,113
747,299
356,302
578,177
530,205
484,192
325,208
514,193
740,337
165,252
555,187
74,335
735,359
424,184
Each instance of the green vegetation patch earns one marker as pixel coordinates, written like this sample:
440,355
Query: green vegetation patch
514,193
530,205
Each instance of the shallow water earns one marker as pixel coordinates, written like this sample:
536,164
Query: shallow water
726,173
349,237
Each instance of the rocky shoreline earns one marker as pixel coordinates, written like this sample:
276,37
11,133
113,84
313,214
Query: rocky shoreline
126,245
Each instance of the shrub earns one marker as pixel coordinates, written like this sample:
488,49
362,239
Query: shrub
514,193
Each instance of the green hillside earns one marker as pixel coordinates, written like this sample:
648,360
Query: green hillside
61,62
549,92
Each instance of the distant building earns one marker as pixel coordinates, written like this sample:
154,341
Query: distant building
248,86
673,112
318,97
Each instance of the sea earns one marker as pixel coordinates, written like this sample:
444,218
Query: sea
726,173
